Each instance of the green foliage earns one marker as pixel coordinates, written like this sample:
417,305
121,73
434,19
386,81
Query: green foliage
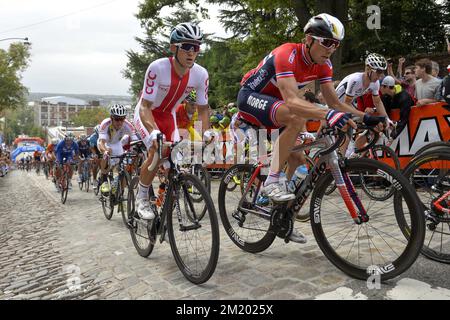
91,117
21,121
259,26
13,62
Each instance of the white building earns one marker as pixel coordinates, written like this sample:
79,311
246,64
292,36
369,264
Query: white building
59,110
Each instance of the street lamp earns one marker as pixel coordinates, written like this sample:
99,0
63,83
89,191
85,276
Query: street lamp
24,39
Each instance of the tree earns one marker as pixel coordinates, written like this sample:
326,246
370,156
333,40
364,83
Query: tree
156,42
13,62
91,117
21,121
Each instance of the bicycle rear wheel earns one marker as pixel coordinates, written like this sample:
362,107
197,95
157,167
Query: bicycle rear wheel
429,173
193,231
379,245
140,231
377,188
248,224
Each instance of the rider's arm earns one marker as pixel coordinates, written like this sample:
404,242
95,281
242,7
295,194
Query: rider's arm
304,109
102,145
379,105
202,101
58,152
333,102
145,112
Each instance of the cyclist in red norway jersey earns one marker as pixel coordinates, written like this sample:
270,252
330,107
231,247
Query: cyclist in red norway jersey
167,83
269,95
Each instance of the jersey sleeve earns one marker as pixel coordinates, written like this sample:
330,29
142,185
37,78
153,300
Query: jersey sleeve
375,88
150,88
326,72
285,61
202,88
103,131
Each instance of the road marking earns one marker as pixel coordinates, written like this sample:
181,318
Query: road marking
342,293
411,289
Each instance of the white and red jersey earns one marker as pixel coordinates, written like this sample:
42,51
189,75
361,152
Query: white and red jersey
287,60
166,89
113,136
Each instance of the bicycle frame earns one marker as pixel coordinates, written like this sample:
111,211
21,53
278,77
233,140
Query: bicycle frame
327,160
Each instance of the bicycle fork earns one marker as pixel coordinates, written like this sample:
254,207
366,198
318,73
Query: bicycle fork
347,191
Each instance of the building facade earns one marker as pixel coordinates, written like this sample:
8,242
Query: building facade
60,110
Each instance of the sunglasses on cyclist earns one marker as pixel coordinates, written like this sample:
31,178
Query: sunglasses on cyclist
406,73
377,71
188,47
390,87
119,118
327,42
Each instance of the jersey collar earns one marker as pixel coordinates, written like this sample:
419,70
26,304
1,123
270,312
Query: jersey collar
305,59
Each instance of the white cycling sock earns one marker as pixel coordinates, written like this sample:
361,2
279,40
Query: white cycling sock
142,191
273,177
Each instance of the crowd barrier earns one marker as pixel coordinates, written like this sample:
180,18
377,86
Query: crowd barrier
428,123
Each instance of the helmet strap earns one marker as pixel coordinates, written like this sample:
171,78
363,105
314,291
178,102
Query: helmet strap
309,49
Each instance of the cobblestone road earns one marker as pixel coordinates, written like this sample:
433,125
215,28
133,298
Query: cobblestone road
55,251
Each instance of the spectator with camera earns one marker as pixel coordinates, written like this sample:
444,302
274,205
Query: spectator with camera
427,87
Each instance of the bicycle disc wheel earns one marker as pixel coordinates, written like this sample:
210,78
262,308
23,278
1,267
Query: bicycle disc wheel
377,247
377,188
248,224
140,231
430,175
194,242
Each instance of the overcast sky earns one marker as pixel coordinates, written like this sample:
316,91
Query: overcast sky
78,53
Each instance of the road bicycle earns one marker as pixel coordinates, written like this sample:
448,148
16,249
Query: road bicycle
192,227
429,174
359,235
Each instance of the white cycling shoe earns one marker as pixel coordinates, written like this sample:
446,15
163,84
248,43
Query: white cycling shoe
144,210
278,192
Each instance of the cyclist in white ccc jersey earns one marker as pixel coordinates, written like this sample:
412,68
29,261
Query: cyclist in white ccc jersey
113,131
168,81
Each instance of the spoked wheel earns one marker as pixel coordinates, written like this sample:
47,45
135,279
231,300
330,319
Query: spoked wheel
246,223
200,172
142,233
97,188
378,188
377,246
430,175
123,198
64,187
193,231
107,200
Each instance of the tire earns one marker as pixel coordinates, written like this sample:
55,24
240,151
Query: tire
204,238
107,202
432,146
123,208
387,264
138,231
424,172
96,189
388,192
64,187
242,236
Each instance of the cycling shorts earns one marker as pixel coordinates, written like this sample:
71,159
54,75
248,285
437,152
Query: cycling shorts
258,109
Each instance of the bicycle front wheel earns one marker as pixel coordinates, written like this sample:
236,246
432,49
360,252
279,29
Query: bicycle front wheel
193,230
429,173
379,245
64,187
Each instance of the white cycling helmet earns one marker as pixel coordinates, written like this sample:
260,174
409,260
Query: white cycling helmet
325,26
376,62
54,141
117,110
186,32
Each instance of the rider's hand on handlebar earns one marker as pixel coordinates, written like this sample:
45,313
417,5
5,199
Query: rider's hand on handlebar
339,120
